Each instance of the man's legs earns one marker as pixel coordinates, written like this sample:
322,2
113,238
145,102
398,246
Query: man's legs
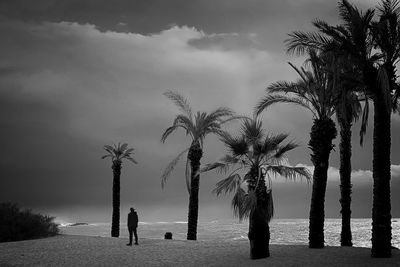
136,238
130,236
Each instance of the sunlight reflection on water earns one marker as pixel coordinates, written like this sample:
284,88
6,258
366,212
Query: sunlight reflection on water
283,231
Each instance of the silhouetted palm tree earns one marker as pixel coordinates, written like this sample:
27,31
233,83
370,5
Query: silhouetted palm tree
257,156
347,80
374,47
197,127
314,91
117,153
348,110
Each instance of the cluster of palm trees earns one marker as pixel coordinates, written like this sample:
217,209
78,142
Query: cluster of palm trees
365,52
254,152
347,66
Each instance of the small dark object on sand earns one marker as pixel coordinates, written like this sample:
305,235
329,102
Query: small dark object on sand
78,224
168,235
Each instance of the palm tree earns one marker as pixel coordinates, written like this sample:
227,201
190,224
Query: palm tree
197,127
346,79
374,48
313,91
117,153
257,156
348,110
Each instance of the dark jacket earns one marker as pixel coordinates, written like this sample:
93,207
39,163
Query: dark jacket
133,219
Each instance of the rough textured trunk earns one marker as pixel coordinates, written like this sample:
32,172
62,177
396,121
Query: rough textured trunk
345,183
381,209
322,133
259,234
195,154
116,198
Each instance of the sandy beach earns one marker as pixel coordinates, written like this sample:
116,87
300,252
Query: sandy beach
70,250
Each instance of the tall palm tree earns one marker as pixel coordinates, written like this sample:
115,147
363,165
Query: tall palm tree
117,153
348,110
374,48
386,36
346,79
197,127
257,156
313,91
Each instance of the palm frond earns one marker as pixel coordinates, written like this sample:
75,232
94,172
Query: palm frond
228,184
243,204
388,6
220,166
237,203
300,42
123,147
167,132
249,204
171,166
283,87
234,117
252,130
270,206
218,113
180,101
281,151
109,148
269,100
180,121
306,76
131,159
288,172
271,143
129,151
236,145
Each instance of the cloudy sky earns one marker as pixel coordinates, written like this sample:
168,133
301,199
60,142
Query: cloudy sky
75,75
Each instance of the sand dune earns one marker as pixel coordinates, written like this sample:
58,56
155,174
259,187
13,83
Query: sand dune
68,250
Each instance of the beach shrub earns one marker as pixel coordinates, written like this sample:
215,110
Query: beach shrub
17,224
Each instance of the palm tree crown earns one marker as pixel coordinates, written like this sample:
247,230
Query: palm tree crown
252,156
313,91
196,126
119,152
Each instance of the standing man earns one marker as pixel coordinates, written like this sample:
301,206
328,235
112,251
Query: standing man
132,226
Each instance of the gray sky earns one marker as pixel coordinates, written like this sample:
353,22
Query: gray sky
75,75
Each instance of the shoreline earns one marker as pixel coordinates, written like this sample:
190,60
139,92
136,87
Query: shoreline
78,250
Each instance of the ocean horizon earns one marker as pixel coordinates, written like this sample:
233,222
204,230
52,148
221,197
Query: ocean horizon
283,231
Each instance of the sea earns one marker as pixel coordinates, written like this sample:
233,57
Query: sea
283,231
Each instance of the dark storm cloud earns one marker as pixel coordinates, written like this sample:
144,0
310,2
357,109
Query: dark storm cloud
155,15
264,18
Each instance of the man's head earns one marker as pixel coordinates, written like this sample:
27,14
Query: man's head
132,209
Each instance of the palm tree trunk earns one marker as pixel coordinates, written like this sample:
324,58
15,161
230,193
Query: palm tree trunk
322,133
195,154
345,183
259,233
381,209
116,198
